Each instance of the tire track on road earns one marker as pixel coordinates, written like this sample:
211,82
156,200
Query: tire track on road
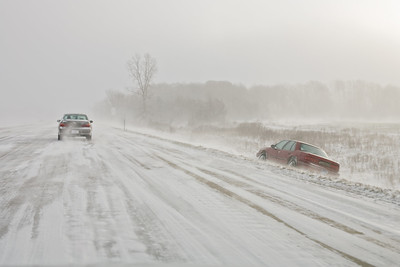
146,224
293,206
23,184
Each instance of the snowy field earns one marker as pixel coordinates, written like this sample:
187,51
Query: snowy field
133,198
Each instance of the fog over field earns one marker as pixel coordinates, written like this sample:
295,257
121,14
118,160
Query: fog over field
221,102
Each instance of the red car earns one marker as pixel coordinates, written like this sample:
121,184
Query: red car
296,153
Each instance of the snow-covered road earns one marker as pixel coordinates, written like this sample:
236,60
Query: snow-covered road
132,198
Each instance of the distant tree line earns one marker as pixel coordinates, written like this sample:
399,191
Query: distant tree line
221,101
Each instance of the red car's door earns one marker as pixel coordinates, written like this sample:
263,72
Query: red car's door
286,151
274,152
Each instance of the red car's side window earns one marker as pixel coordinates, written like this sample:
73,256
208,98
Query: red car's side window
290,146
281,144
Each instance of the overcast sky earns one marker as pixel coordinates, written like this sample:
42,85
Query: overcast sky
61,56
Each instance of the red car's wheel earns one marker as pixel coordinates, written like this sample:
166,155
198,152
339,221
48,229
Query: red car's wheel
263,156
292,162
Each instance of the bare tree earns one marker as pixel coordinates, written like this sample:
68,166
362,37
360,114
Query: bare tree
142,71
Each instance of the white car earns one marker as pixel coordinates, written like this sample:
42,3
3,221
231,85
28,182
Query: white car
75,125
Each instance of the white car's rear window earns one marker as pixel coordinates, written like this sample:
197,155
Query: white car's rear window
75,117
